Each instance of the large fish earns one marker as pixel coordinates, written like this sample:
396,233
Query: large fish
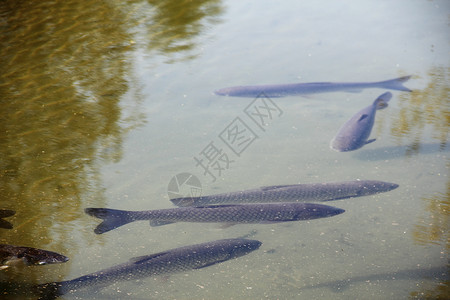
17,255
231,214
283,90
293,193
355,132
4,213
163,263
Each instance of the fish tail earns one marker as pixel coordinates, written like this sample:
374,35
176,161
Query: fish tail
382,100
112,218
396,84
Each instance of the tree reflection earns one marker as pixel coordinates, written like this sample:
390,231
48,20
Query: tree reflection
428,106
67,102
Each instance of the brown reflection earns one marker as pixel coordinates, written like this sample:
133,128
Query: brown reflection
64,72
175,24
434,229
426,107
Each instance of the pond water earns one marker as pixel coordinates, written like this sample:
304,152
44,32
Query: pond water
105,103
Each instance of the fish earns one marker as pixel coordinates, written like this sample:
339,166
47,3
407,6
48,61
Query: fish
307,192
293,89
11,255
4,213
229,214
177,260
355,132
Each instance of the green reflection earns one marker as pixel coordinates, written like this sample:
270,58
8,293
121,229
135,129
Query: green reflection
65,92
429,106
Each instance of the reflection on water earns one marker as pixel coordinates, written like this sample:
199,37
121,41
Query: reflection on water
428,106
434,229
65,95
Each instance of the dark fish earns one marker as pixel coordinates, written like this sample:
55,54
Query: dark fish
355,132
232,214
4,213
283,90
15,255
293,193
163,263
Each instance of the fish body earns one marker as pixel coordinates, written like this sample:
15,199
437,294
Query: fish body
11,255
293,193
355,132
283,90
4,213
231,214
163,263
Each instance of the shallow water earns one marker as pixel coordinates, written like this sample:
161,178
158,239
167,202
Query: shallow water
104,103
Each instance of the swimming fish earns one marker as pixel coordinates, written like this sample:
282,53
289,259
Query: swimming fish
231,214
168,262
16,255
4,213
283,90
355,132
293,193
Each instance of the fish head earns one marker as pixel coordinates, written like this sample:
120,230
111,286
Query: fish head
371,187
237,247
34,256
316,211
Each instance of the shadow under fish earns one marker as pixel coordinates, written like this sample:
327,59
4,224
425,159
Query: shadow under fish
293,193
4,213
168,262
283,90
11,255
355,133
228,214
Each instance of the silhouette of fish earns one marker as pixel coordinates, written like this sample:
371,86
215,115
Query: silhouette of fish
231,214
283,90
293,193
11,255
4,213
355,132
163,263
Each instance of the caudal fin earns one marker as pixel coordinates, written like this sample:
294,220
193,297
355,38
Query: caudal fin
395,84
382,100
112,218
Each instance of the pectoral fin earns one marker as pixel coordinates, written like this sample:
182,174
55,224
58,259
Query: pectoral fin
363,117
155,223
370,141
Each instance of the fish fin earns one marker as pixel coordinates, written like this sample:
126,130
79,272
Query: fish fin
155,223
189,201
145,258
382,101
363,116
274,187
226,225
217,205
395,84
370,141
210,264
112,218
6,213
5,224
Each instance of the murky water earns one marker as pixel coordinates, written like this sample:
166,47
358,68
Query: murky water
103,103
